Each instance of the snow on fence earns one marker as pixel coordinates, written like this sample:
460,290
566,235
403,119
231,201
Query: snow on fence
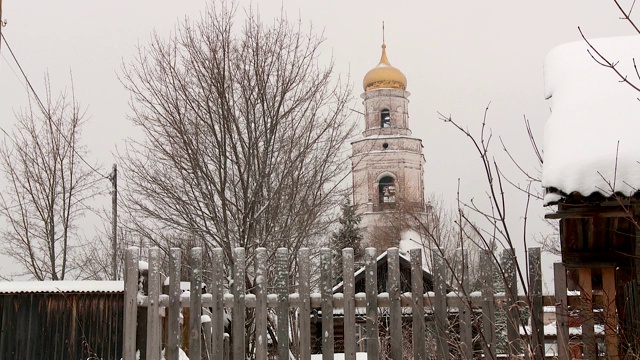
209,341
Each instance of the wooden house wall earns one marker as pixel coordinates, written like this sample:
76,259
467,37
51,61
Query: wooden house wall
597,241
61,326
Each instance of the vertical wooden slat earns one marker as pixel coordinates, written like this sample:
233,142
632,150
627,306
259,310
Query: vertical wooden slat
206,329
535,290
488,305
466,330
371,279
511,292
586,314
417,302
349,305
239,315
261,304
195,305
326,294
154,328
130,303
217,316
395,310
282,291
610,312
304,262
562,311
440,305
173,313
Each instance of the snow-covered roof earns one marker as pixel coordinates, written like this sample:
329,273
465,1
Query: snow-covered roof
590,139
15,287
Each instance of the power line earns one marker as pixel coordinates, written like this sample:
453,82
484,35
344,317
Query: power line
44,110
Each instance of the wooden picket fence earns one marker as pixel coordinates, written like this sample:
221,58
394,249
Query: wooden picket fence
209,341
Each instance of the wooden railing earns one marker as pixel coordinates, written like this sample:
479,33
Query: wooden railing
462,323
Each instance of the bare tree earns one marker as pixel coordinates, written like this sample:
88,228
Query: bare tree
48,185
244,133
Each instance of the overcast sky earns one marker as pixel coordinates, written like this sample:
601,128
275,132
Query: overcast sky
457,56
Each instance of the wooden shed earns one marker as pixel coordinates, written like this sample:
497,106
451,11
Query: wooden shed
61,320
359,285
591,172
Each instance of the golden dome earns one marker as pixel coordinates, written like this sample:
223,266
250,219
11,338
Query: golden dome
384,76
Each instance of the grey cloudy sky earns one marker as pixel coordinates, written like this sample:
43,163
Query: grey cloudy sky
457,56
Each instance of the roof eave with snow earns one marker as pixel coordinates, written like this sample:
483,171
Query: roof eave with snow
590,144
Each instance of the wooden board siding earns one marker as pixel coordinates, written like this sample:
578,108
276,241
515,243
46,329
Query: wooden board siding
597,241
61,326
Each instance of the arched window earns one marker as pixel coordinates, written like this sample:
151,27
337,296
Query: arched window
385,118
387,191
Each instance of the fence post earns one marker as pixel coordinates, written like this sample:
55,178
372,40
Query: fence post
440,305
130,303
239,316
173,313
488,304
511,291
610,313
217,316
586,313
371,278
154,328
195,305
535,289
395,310
466,333
282,291
349,305
562,311
305,303
417,296
327,303
261,303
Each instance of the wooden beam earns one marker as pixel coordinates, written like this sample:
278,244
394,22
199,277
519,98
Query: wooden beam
589,212
610,314
586,314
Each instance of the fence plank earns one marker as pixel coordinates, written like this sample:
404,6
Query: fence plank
195,304
586,314
562,311
173,313
466,330
239,316
535,288
261,303
326,280
511,292
488,304
417,302
131,303
610,314
154,328
217,316
282,290
440,304
349,304
305,303
371,287
395,310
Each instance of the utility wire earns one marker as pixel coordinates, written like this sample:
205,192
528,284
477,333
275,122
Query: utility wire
44,110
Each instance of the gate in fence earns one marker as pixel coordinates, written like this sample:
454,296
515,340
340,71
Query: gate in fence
233,322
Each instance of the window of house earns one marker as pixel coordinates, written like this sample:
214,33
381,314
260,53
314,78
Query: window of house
385,118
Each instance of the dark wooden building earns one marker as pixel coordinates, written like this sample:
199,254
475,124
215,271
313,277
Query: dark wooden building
61,320
359,284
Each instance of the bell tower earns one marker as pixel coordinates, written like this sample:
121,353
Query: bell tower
387,162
